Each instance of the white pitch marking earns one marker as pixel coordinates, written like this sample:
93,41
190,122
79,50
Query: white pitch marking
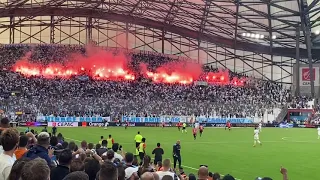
235,142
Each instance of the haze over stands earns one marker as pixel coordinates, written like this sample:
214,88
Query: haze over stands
105,65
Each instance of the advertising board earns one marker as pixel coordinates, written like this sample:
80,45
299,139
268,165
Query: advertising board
33,124
305,76
95,124
63,124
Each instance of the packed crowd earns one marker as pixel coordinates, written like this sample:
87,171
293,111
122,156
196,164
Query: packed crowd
63,97
74,97
32,156
299,102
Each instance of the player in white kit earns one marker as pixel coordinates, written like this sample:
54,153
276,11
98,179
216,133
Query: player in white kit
318,132
256,137
196,125
106,125
260,126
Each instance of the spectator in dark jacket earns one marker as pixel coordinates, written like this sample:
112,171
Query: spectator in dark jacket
41,149
62,170
54,142
103,148
77,175
92,167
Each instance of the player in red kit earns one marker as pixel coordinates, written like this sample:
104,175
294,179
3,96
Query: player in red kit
228,125
201,130
126,125
163,124
179,125
194,132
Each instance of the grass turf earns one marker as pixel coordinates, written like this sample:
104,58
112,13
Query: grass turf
223,151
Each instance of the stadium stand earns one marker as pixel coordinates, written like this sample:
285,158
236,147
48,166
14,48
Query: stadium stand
74,97
38,95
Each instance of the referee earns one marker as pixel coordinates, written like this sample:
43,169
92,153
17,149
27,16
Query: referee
176,155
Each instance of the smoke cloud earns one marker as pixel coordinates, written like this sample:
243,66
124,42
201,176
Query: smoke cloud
105,65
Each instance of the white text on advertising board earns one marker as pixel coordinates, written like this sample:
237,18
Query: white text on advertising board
63,124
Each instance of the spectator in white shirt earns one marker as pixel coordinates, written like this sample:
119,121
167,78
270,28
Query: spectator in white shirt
1,149
9,141
167,170
4,124
115,148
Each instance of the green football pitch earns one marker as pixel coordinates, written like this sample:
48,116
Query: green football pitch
223,151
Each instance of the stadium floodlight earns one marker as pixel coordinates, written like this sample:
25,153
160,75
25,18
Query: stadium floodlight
261,36
257,36
274,37
244,34
252,35
317,32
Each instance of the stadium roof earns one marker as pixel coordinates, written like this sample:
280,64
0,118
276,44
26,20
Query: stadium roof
250,25
256,37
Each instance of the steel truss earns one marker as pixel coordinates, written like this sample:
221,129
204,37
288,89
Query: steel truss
210,28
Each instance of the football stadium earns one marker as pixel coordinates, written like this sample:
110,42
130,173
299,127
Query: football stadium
159,89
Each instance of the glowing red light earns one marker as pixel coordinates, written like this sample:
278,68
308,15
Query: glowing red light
118,70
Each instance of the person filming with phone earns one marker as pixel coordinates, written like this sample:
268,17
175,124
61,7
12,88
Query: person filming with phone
42,149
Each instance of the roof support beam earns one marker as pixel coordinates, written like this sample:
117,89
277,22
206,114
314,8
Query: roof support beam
134,7
312,5
297,68
305,24
205,15
271,17
174,9
270,35
236,35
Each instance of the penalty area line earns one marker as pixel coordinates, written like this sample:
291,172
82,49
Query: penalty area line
287,139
